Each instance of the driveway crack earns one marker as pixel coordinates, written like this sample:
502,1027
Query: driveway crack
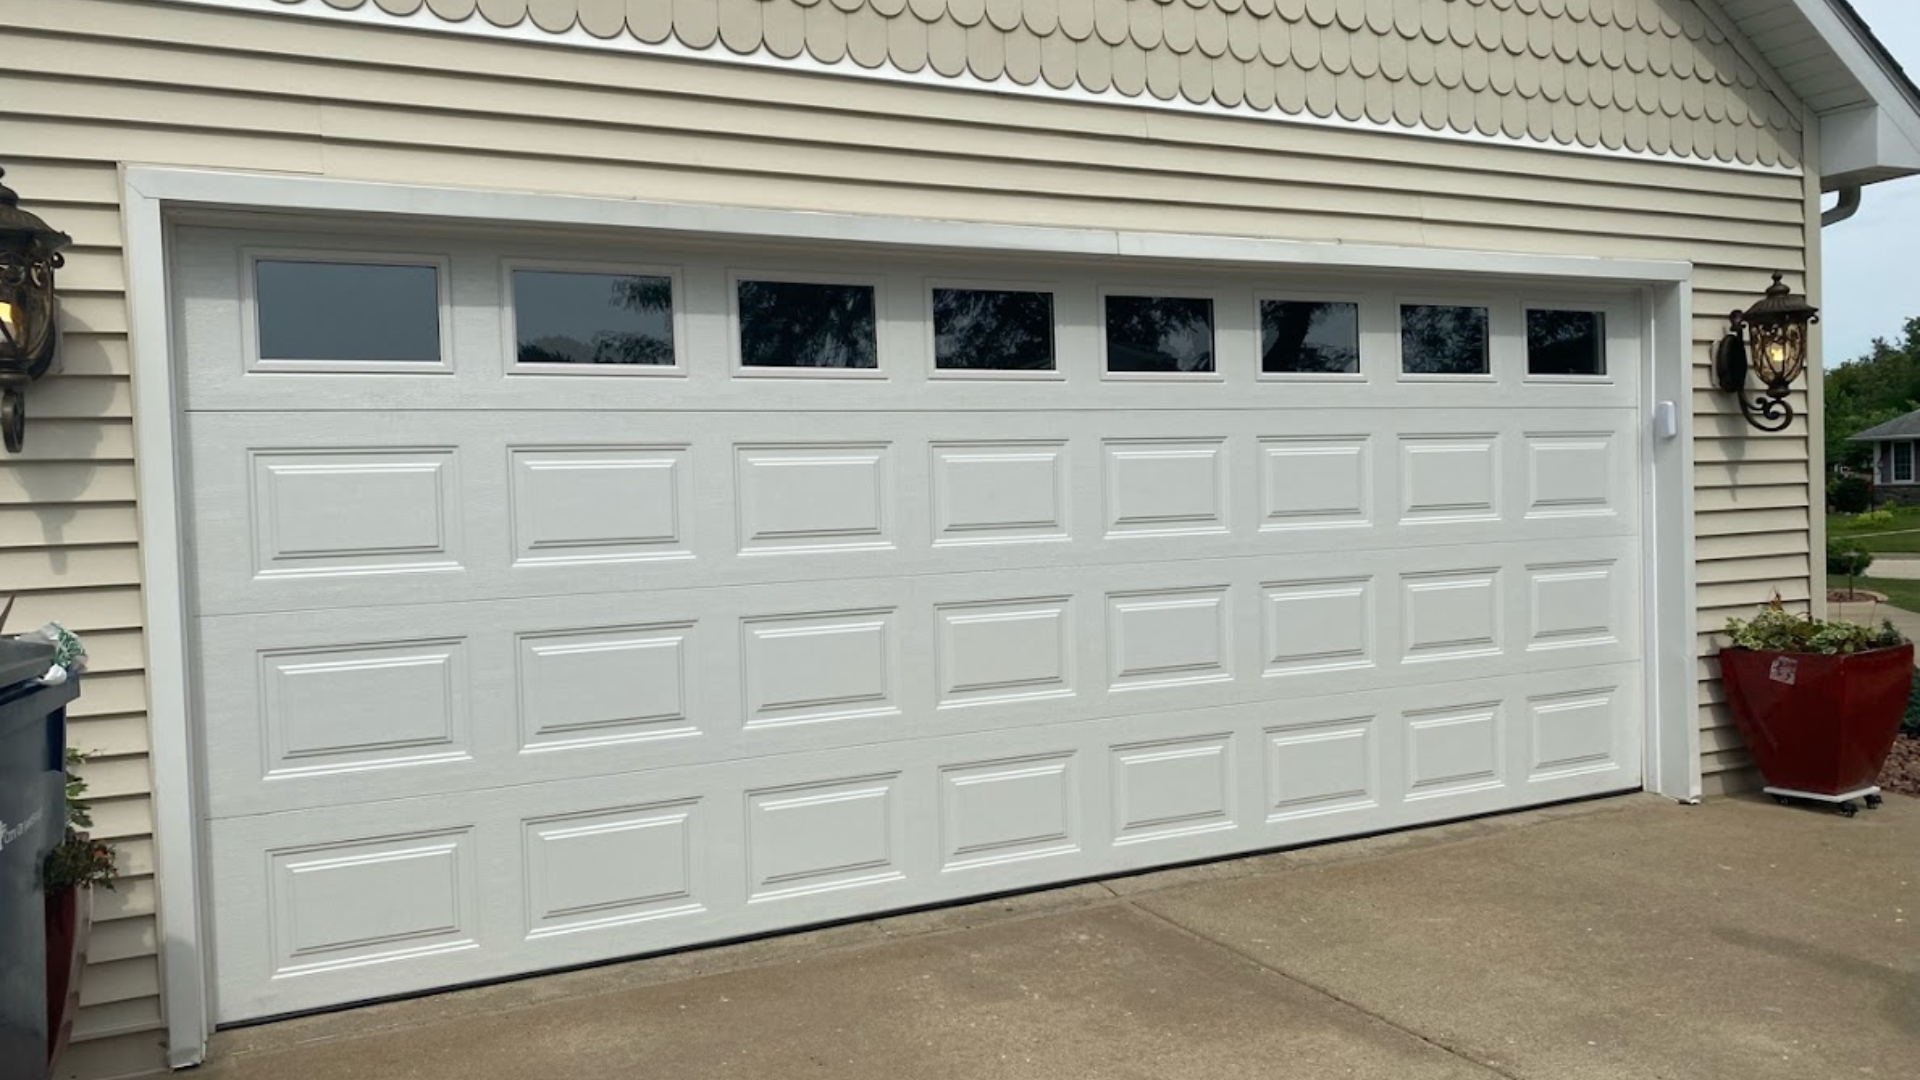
1249,958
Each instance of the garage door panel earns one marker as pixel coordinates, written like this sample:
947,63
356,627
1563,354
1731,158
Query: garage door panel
385,508
535,628
329,707
483,885
223,372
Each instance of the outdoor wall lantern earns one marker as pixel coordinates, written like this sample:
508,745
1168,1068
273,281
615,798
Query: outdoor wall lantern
1770,338
29,311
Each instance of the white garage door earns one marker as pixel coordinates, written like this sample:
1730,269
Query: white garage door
563,600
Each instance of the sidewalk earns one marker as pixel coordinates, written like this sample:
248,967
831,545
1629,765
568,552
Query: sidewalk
1629,937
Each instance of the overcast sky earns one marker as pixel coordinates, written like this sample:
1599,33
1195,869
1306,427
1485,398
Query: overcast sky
1870,287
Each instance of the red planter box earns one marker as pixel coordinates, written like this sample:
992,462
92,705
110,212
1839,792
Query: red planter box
69,925
1819,724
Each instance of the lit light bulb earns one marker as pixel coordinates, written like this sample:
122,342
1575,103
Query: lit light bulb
9,326
1776,353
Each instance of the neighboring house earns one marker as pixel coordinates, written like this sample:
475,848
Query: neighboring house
1895,476
546,481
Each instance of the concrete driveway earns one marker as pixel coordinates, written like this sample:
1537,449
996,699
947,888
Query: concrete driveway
1629,937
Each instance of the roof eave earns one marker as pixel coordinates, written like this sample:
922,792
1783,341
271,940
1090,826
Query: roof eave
1878,141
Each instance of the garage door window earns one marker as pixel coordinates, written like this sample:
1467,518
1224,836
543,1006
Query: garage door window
357,312
1304,337
992,330
1159,335
1561,342
807,325
565,317
1442,339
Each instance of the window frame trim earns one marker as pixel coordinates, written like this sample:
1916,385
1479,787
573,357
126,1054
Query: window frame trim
1212,296
509,318
255,364
1057,373
1893,465
736,364
1611,311
1361,372
1488,304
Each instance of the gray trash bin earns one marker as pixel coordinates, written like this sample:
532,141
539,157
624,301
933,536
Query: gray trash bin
33,741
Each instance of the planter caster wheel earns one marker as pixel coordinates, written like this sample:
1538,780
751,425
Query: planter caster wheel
1847,809
1783,800
1874,801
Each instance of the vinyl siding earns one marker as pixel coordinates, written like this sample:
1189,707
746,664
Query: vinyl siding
173,85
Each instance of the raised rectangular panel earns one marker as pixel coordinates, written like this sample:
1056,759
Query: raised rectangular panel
986,493
587,688
811,838
344,512
1451,615
1314,626
370,901
1455,750
1001,651
1173,788
805,669
1006,811
1449,478
1166,487
1168,638
1315,483
815,497
1571,605
599,504
610,868
1570,475
1573,733
1321,768
358,707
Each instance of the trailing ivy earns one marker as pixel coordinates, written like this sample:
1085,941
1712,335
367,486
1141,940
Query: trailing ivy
1775,629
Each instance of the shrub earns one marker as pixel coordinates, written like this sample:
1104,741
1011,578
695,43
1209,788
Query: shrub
1847,559
1882,516
1849,494
1775,629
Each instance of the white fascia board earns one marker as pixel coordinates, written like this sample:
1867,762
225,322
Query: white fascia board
1881,146
1864,145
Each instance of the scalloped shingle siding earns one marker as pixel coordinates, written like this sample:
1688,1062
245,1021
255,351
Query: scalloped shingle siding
1637,75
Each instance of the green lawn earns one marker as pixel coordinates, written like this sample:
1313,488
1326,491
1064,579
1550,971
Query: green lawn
1901,534
1901,594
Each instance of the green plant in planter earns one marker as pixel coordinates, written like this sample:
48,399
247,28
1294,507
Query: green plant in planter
1775,629
79,861
1910,723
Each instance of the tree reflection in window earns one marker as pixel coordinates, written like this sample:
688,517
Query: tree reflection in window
1438,339
992,330
570,317
1566,342
807,325
1309,338
1159,334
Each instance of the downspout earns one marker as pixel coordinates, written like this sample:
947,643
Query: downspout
1848,206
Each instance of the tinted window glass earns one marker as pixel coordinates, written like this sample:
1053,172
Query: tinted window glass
992,330
1159,333
562,317
1566,343
1298,336
348,311
1442,340
806,325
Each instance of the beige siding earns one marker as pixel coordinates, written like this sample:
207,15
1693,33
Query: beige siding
165,84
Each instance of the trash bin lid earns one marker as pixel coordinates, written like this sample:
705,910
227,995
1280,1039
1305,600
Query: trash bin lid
23,660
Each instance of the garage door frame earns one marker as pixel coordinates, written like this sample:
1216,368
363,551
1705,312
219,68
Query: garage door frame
152,196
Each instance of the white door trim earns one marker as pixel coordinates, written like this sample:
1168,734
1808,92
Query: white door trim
150,194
